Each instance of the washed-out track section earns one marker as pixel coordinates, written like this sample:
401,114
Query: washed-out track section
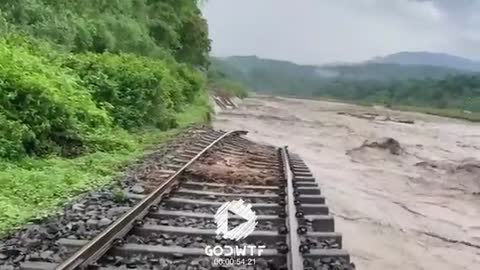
320,246
171,227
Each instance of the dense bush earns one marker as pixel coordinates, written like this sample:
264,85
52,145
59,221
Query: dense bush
62,103
144,27
222,84
13,134
3,24
83,84
194,81
137,91
48,107
72,73
228,88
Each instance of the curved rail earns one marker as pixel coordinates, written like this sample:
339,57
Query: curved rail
98,246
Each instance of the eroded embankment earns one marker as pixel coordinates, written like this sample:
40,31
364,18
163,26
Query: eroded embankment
403,186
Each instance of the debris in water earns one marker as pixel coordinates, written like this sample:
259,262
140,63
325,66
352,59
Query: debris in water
384,143
377,117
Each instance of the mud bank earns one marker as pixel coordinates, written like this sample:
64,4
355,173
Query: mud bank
416,207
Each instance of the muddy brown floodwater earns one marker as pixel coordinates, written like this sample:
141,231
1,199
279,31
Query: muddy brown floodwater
415,205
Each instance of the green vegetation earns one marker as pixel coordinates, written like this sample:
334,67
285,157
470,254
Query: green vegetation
452,113
85,87
229,88
31,187
157,28
44,107
197,112
274,75
220,83
445,91
460,92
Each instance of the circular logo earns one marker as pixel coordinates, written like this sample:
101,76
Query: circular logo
240,209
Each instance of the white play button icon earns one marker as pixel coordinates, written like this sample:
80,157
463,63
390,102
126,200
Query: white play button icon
235,208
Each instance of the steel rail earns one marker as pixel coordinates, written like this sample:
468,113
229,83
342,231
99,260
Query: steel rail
98,246
295,258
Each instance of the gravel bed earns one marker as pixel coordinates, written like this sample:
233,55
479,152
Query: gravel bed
205,223
308,224
320,244
237,190
212,198
206,209
328,264
273,180
81,220
191,241
179,262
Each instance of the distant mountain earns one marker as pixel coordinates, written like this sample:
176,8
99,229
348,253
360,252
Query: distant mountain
387,71
268,75
430,59
392,80
249,63
265,74
252,66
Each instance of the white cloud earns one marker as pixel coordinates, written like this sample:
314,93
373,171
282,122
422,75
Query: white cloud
320,31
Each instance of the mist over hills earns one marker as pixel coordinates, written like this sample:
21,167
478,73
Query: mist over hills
252,69
431,59
414,79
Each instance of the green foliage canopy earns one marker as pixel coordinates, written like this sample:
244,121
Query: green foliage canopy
72,73
48,107
145,27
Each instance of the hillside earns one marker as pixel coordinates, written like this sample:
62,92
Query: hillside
431,59
87,86
249,67
388,71
273,76
389,84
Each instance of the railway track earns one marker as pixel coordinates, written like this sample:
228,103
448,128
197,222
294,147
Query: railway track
175,225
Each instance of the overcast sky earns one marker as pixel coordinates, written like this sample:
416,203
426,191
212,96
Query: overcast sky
324,31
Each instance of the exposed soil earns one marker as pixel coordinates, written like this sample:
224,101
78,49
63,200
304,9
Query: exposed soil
225,168
404,187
